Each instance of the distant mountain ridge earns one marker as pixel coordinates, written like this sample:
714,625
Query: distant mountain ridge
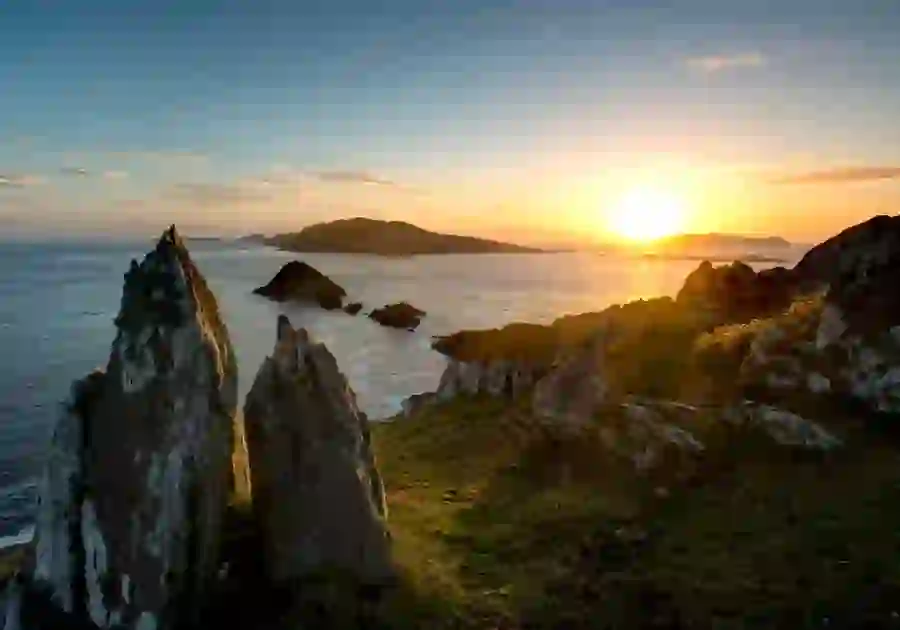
386,238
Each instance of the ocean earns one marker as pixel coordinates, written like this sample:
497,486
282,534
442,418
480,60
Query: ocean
58,302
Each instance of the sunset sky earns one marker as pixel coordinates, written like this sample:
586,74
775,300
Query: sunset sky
532,120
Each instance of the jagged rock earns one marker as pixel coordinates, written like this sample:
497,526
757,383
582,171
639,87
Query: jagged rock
353,308
137,480
400,315
575,388
317,494
301,282
785,427
736,291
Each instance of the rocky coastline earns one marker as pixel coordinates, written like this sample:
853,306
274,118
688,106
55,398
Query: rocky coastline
163,505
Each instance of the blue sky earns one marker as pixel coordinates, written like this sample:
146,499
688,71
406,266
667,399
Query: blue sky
270,114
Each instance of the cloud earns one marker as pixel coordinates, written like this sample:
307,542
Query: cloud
840,175
354,177
220,194
12,180
74,171
115,174
712,64
364,178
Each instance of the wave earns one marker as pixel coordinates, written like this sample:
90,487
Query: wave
23,537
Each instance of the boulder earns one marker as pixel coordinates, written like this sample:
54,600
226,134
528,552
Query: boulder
400,315
317,494
784,427
353,308
297,281
138,476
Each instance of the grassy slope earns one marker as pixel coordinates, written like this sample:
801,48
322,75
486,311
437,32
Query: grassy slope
497,525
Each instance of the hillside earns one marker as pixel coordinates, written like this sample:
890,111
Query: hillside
386,238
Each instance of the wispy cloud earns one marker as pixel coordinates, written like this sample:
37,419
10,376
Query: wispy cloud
711,64
13,180
221,194
364,178
840,175
75,171
354,177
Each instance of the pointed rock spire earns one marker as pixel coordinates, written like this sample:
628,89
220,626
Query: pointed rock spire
137,481
317,494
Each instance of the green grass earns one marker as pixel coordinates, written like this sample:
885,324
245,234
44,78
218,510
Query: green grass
498,524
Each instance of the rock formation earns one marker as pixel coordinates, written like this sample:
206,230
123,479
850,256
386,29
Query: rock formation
300,282
736,292
574,389
139,470
400,315
317,494
353,308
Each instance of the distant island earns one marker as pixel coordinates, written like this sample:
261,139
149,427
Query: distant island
386,238
690,242
715,247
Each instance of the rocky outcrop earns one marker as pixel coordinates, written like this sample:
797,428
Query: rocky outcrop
317,494
845,344
353,308
137,480
872,244
575,388
736,292
400,315
297,281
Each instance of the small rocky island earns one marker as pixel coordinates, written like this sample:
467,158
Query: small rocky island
298,281
386,238
399,315
729,457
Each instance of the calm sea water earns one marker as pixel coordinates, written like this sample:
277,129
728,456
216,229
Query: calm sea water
57,303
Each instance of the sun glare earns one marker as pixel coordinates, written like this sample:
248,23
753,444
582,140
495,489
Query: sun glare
647,214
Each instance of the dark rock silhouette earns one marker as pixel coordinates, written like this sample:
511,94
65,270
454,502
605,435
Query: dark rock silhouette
736,292
353,308
317,494
139,471
400,315
297,281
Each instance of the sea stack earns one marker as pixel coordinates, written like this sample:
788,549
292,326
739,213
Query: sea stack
317,495
136,485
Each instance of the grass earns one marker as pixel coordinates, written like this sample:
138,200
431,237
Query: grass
499,524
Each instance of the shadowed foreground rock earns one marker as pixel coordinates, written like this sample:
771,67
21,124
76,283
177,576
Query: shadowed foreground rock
317,495
138,475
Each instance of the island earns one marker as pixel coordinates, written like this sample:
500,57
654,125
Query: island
386,238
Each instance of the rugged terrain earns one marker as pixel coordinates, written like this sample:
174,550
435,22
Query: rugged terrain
729,458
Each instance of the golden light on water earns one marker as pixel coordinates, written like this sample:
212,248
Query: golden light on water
645,214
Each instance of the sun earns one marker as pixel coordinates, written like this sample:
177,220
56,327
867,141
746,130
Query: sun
647,214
